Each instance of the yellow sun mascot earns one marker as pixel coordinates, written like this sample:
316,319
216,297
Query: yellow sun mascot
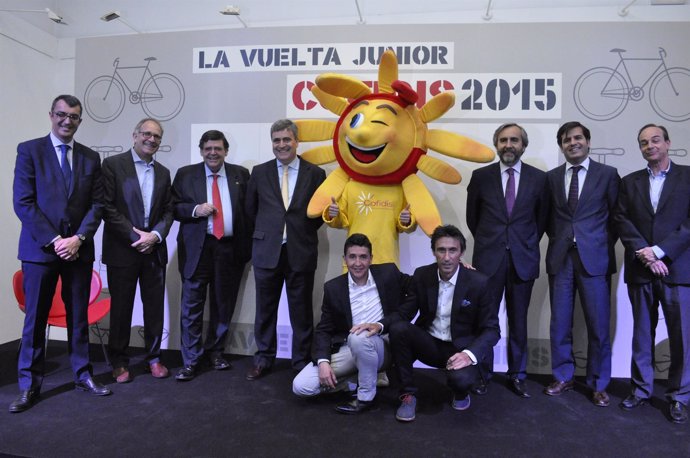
380,142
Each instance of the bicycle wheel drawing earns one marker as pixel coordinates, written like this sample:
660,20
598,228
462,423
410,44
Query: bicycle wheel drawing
601,93
669,94
104,98
162,96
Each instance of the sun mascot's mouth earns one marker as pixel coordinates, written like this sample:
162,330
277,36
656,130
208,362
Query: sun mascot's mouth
364,155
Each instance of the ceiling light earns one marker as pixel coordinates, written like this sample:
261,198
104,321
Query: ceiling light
52,15
232,10
111,16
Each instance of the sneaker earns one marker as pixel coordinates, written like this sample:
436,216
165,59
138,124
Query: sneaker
382,380
407,409
461,404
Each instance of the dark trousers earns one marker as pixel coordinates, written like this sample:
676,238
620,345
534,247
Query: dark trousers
518,293
594,292
218,269
298,287
675,303
40,280
122,283
410,342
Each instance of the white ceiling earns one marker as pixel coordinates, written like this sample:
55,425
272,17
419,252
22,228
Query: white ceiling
146,16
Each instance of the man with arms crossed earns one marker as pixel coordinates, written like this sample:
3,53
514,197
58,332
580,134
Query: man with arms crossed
457,325
507,207
653,218
358,308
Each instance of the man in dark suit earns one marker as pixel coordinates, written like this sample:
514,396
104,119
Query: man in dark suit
580,258
507,208
212,245
457,325
653,220
57,195
285,247
358,308
137,213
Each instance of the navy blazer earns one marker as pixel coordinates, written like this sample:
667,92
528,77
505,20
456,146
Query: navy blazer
265,208
189,190
124,210
669,228
473,323
336,312
592,223
494,231
46,209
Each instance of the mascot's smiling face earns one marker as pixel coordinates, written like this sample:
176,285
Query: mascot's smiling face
376,135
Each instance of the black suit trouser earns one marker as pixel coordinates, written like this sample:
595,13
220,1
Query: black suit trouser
410,342
299,287
518,293
122,284
219,269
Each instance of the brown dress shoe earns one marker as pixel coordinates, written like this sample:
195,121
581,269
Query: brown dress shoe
558,387
256,372
122,375
158,370
600,398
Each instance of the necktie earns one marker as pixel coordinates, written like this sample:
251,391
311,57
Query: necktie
218,228
66,169
574,188
285,192
510,190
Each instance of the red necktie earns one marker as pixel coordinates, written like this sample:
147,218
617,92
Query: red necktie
218,229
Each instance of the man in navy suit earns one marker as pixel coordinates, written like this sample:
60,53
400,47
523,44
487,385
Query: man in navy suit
507,208
137,213
285,247
653,219
351,338
457,326
58,197
580,258
213,247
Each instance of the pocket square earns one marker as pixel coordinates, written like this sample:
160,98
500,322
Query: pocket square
465,303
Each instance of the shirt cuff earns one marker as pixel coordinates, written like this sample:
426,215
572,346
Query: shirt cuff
471,355
160,239
382,327
194,212
658,252
322,360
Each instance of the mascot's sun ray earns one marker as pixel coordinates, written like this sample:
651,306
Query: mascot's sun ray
380,142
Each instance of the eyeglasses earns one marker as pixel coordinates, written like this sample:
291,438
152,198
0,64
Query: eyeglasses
62,115
148,134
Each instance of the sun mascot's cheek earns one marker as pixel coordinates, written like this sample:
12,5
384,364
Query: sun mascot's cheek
380,142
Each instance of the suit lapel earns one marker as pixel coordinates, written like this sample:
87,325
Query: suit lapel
559,186
591,183
233,189
55,169
302,181
667,191
496,185
642,188
458,294
138,203
273,181
199,184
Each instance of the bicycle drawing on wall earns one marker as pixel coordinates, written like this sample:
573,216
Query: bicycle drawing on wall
602,93
161,95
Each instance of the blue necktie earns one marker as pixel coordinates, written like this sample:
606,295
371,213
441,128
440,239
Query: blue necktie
66,170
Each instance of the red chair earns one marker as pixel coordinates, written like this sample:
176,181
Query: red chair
58,315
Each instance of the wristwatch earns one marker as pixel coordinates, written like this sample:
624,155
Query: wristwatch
81,237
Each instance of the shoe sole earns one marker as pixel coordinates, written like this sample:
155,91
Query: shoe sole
558,394
404,419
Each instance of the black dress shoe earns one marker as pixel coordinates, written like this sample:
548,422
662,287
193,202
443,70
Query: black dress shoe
480,388
24,401
256,372
558,387
219,363
519,387
632,402
354,407
92,387
186,373
678,412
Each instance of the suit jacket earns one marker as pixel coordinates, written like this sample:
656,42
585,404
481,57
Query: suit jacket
46,209
591,224
669,228
336,312
473,323
124,210
189,190
265,208
494,230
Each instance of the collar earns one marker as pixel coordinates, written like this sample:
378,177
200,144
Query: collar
453,280
57,142
220,172
662,174
136,159
292,165
517,167
351,283
585,164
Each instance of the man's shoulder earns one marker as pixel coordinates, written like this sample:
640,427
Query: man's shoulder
86,151
604,168
34,142
336,282
118,158
425,271
530,169
236,168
